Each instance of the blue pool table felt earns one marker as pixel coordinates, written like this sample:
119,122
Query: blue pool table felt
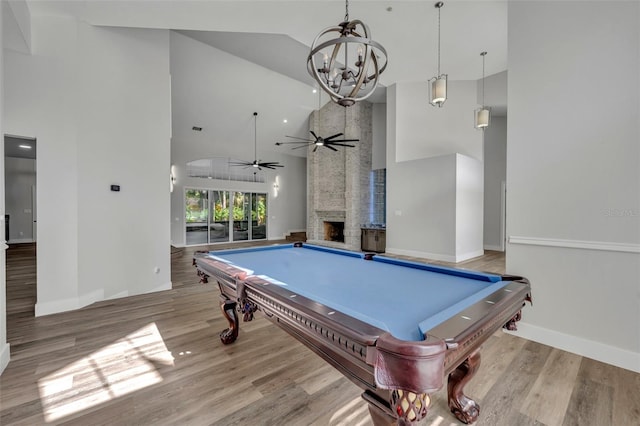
397,296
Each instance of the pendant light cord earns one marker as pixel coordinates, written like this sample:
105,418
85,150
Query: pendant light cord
439,41
483,55
346,8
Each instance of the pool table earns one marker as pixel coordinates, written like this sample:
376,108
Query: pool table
395,328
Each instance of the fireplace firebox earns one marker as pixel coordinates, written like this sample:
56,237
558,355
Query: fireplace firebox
334,231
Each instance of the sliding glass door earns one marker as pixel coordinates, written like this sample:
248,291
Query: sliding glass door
217,216
241,212
197,211
219,219
258,216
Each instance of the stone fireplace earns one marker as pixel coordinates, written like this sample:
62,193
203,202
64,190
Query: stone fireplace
338,181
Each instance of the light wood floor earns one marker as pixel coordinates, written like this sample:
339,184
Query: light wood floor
156,360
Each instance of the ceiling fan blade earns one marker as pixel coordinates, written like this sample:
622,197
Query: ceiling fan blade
315,149
302,139
346,140
334,136
341,144
303,146
289,143
313,133
330,147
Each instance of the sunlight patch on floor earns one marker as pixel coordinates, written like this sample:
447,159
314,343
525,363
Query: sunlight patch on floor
125,366
348,413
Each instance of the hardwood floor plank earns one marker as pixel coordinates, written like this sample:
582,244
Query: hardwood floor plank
625,386
549,397
156,359
501,406
496,356
314,380
590,401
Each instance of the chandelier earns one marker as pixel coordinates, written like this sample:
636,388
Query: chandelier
438,84
351,63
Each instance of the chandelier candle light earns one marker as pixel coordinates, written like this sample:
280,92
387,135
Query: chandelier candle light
438,84
363,60
482,114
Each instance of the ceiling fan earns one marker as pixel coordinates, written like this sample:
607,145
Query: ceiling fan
319,141
256,164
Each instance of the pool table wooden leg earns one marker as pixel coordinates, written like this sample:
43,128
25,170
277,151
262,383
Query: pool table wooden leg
463,407
380,418
229,335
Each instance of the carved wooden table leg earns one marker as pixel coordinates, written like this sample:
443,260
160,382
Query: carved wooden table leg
380,418
229,335
463,407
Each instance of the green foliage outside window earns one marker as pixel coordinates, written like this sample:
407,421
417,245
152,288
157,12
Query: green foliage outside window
196,206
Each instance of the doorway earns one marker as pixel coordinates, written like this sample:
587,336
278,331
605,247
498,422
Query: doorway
20,223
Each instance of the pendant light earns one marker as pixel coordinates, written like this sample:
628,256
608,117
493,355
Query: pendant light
482,114
438,84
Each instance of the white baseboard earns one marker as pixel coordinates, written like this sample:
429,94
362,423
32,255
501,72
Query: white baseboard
435,256
89,298
421,254
65,305
4,355
588,348
164,287
118,296
56,306
470,255
492,247
576,244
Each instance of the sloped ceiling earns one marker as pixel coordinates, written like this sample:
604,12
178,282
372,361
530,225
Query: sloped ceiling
407,29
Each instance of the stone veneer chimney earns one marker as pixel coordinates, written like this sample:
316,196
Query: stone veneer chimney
338,183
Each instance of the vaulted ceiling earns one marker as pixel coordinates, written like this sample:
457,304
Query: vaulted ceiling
280,32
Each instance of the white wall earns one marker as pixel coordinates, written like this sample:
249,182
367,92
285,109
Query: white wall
469,192
20,177
123,138
495,173
421,204
4,346
100,113
495,92
574,179
40,102
16,26
434,202
213,87
424,131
